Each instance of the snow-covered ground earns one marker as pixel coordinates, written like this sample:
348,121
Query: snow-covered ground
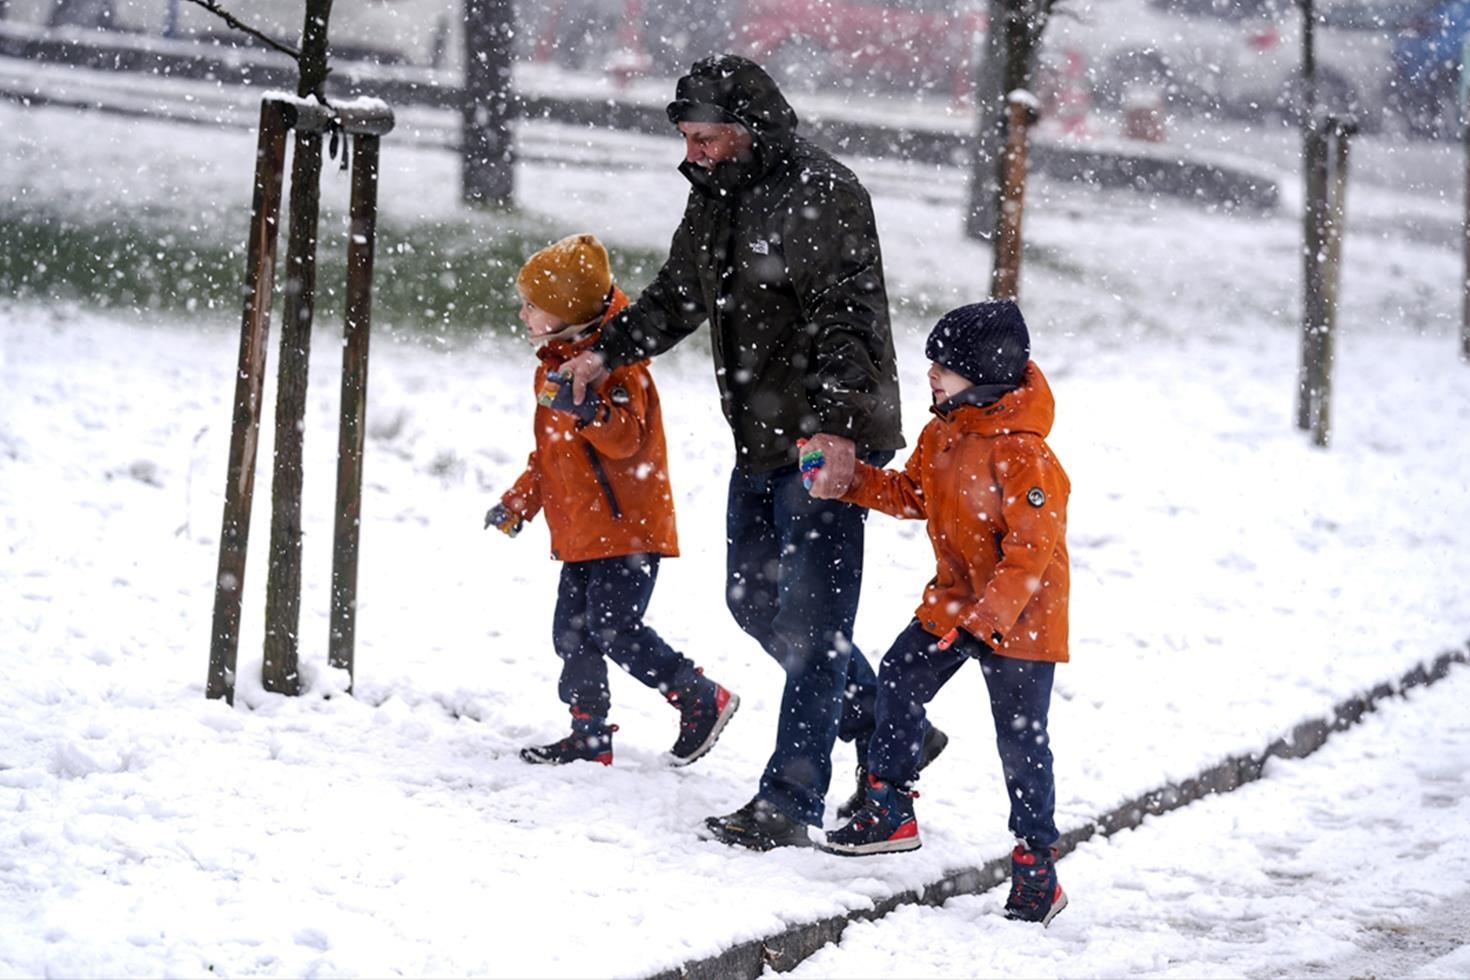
1352,863
1228,581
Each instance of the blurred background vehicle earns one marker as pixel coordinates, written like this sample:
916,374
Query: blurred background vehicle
1237,58
1125,47
1396,61
1354,42
1429,68
923,46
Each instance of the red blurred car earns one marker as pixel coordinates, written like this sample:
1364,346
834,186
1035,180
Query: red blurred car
908,44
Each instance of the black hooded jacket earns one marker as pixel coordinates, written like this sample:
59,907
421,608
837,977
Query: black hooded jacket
780,254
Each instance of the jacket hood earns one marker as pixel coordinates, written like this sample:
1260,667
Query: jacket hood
731,89
1029,408
728,88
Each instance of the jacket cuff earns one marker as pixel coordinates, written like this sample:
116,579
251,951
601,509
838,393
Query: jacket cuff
518,505
981,627
837,420
616,350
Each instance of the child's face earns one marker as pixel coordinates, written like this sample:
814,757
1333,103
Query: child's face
944,383
538,321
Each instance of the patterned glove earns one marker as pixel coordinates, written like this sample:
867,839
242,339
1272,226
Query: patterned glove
506,521
556,395
811,462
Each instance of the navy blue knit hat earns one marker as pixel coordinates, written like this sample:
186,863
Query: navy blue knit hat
986,343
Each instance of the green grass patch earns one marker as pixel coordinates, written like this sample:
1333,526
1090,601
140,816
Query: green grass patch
450,277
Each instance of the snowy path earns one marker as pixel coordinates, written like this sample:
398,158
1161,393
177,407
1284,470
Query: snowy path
1228,581
1354,862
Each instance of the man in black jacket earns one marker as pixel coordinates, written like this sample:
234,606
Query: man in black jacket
778,251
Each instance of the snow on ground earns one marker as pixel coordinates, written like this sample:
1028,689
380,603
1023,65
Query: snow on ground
1354,862
1228,581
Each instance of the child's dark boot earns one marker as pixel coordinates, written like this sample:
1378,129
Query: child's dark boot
1036,895
705,708
590,741
884,825
934,743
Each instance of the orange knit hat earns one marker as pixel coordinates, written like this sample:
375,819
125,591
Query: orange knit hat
569,279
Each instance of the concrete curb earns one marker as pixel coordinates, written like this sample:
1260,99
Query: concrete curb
784,950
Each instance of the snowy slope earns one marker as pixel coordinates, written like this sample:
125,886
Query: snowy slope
1228,580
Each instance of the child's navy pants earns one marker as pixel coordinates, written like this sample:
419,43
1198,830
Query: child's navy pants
913,671
599,617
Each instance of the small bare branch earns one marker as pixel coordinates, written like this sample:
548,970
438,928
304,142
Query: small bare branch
213,7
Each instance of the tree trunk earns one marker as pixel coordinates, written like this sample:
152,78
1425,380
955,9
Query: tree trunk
1010,56
283,583
990,129
1005,275
486,148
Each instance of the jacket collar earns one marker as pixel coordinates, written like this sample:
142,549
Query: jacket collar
563,346
995,410
767,151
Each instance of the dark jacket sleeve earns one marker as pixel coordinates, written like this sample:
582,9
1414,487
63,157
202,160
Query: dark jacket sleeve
832,254
670,309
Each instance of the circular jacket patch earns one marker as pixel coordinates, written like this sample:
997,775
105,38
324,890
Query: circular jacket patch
1035,497
619,395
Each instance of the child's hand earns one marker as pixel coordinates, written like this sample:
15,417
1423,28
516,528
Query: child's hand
953,636
556,395
506,521
811,462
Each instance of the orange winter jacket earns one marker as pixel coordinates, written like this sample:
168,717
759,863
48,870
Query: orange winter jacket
995,499
604,485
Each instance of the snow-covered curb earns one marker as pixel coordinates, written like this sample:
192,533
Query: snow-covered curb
784,950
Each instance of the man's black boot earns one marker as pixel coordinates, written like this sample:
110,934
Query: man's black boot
759,826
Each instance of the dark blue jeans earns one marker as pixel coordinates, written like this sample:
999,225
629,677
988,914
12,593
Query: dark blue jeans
913,671
794,570
599,617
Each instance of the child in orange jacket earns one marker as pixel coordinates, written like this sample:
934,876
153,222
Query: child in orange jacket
600,474
995,499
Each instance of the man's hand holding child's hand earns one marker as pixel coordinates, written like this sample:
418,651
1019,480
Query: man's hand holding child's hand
833,475
587,370
557,396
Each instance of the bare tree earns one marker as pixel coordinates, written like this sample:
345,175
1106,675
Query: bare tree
1012,43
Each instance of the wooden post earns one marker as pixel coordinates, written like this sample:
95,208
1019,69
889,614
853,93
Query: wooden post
1314,190
1005,275
260,264
1314,231
283,583
360,250
1341,132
